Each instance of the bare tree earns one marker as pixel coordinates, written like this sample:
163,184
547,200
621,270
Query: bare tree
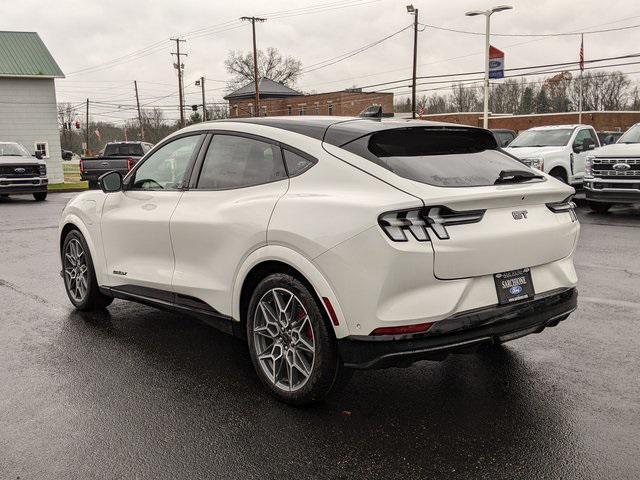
601,91
464,98
271,64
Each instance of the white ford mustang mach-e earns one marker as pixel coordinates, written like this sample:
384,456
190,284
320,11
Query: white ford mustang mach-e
330,243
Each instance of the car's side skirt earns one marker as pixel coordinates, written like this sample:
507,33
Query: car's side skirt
176,302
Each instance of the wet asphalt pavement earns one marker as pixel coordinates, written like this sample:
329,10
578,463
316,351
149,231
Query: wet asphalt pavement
140,393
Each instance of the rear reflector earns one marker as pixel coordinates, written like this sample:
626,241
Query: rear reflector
331,311
81,166
418,328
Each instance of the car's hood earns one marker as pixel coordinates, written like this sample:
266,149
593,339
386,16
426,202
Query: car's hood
528,152
9,160
619,150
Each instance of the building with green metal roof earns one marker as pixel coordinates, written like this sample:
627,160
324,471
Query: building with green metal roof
28,109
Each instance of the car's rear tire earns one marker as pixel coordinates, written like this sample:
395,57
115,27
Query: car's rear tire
79,275
40,196
598,207
291,343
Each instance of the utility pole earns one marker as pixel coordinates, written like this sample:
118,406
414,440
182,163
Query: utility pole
414,11
135,84
86,130
204,103
253,21
179,66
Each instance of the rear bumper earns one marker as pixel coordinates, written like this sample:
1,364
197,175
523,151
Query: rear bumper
460,332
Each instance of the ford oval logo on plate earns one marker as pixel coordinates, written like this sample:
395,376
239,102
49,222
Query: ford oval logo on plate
515,290
621,167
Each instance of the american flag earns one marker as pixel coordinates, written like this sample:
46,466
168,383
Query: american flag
582,52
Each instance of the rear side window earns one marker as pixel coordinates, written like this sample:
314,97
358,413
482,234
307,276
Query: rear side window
233,162
439,157
296,164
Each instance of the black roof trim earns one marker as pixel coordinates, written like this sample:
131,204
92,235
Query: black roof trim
339,131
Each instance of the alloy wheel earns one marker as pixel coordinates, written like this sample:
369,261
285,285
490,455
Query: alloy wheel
76,272
284,340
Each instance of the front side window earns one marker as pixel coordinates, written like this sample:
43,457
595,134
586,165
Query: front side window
166,167
234,162
556,137
582,135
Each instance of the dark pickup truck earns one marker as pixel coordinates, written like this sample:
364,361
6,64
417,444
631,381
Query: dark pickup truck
119,156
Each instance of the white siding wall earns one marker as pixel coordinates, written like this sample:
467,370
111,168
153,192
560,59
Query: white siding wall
28,114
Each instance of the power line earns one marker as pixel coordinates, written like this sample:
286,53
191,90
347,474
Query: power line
563,34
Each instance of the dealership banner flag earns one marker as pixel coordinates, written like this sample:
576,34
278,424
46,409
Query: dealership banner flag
496,62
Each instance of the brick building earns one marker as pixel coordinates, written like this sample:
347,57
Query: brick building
601,121
277,99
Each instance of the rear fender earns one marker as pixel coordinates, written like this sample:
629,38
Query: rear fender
299,263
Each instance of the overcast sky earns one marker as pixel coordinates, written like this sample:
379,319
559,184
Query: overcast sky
90,33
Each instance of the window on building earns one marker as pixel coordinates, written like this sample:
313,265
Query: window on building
263,109
288,109
301,109
251,109
317,108
43,148
330,108
234,162
235,110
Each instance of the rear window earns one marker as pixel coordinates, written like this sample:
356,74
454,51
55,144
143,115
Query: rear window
439,157
122,149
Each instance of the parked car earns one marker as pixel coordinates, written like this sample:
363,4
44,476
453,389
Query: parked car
67,155
21,172
119,156
607,138
613,173
559,150
330,243
503,136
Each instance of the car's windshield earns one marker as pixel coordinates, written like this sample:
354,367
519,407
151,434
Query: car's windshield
13,150
631,136
556,137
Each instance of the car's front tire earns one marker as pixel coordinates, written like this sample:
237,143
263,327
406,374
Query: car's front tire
79,275
290,341
40,196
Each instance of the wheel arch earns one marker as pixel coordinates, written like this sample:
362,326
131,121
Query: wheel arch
72,222
561,169
270,259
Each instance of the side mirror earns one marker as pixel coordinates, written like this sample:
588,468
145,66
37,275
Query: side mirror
577,147
110,182
38,155
588,144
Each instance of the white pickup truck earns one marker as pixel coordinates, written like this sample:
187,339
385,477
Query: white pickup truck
613,172
559,150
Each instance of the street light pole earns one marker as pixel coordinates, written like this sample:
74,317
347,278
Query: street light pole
487,47
414,11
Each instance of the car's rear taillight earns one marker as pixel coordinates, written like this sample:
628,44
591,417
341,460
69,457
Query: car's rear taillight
395,224
81,166
403,330
565,206
130,163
